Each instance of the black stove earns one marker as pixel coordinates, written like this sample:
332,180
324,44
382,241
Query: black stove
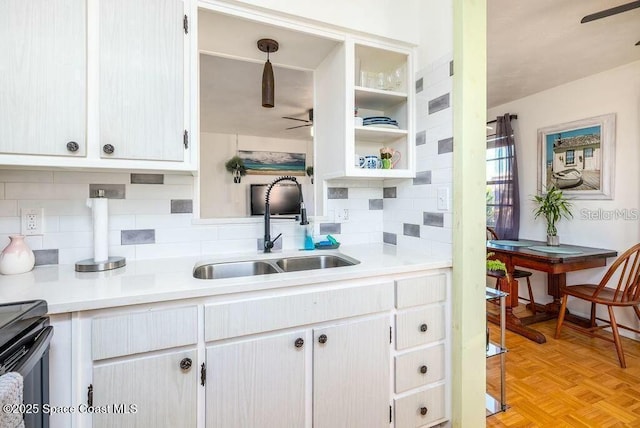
25,335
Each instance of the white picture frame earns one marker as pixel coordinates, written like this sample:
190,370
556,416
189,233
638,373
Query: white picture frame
578,157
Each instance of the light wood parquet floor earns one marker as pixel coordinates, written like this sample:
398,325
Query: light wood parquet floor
574,381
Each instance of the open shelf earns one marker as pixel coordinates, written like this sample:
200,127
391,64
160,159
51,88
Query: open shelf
378,99
379,135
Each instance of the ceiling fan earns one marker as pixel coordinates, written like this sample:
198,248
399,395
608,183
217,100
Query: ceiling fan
612,11
308,122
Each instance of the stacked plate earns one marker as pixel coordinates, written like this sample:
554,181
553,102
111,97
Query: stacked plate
380,122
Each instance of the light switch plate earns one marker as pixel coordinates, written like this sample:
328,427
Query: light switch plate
443,198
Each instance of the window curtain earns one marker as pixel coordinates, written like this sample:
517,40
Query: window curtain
506,193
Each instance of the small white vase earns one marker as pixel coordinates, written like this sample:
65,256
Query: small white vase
553,240
17,257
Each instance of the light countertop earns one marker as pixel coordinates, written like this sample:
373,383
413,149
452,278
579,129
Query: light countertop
148,281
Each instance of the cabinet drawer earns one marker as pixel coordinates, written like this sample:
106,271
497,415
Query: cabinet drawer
409,410
419,327
273,313
126,334
410,368
421,290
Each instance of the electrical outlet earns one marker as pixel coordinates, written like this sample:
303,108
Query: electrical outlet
443,198
32,219
342,215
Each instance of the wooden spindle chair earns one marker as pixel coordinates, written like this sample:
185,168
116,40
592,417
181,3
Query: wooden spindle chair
517,273
626,293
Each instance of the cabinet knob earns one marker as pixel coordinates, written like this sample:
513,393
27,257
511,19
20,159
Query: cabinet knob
423,328
424,369
185,364
322,338
72,146
299,342
108,149
424,411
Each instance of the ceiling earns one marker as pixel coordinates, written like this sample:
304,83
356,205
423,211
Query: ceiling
537,45
231,77
531,46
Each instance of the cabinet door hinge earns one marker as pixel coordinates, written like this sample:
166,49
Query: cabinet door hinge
185,139
203,374
390,334
390,413
185,24
90,395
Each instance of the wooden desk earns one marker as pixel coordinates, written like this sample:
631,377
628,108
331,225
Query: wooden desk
556,266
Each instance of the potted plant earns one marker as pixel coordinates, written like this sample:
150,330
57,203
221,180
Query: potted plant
235,166
309,171
552,206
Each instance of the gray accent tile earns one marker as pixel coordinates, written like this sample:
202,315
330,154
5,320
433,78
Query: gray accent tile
389,192
181,206
277,246
451,68
327,228
147,178
421,138
46,257
139,236
411,229
433,219
445,146
375,204
338,193
111,191
419,85
389,238
422,177
440,103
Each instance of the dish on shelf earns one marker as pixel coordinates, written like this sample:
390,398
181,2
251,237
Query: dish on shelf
382,125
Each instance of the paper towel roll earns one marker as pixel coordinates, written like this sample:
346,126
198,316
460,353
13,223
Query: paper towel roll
100,210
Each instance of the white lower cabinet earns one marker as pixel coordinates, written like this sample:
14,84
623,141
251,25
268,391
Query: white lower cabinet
153,391
261,383
351,374
257,382
335,355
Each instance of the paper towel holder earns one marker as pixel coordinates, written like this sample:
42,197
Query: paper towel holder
90,265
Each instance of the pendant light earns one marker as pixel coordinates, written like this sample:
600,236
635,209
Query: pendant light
268,84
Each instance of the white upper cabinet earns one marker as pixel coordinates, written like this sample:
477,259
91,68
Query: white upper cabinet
43,77
365,86
141,88
96,83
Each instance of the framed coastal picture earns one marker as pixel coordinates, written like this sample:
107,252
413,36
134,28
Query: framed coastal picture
276,163
578,157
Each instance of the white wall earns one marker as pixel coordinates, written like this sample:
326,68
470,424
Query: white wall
395,19
219,195
436,32
614,91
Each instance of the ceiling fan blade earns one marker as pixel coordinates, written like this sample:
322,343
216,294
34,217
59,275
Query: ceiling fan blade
638,43
301,126
295,118
613,11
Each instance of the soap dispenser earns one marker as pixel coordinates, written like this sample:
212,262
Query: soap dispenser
308,237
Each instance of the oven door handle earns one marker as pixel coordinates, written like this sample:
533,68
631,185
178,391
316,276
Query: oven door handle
37,350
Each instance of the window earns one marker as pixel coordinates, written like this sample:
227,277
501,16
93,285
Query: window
588,152
498,175
570,156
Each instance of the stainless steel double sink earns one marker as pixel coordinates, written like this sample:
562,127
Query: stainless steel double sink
234,269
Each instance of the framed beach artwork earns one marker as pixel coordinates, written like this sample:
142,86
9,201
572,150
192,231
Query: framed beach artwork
578,157
274,163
